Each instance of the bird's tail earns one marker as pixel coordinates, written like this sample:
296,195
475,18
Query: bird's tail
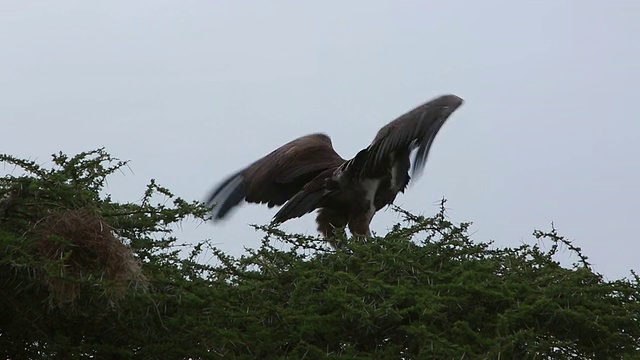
300,204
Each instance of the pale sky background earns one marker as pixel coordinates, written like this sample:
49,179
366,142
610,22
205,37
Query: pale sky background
191,91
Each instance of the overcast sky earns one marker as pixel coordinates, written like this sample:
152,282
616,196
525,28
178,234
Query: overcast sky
191,91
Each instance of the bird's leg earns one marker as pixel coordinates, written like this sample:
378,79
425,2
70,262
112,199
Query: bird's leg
331,225
360,230
359,225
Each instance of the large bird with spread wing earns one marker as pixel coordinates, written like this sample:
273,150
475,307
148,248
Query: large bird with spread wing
307,174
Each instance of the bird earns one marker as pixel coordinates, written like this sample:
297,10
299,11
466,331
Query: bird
307,174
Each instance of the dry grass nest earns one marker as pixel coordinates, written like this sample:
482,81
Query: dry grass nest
82,248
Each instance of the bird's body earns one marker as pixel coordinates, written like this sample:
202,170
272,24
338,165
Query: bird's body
307,174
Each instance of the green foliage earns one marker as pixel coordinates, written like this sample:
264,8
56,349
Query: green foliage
86,277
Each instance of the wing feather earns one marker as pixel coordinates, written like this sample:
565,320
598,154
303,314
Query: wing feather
276,177
413,130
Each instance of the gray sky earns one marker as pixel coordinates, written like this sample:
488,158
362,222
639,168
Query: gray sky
191,91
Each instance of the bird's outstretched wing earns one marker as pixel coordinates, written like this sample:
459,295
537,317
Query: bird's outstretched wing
278,176
415,129
389,151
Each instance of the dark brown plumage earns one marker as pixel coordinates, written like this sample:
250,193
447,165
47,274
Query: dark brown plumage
307,174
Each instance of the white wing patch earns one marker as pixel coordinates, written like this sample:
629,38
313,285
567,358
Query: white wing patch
370,187
394,176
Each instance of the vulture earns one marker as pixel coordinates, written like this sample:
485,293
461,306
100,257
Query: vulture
307,174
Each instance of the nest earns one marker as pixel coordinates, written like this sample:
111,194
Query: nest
81,248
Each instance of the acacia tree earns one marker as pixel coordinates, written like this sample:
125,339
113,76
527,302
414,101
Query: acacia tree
84,276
